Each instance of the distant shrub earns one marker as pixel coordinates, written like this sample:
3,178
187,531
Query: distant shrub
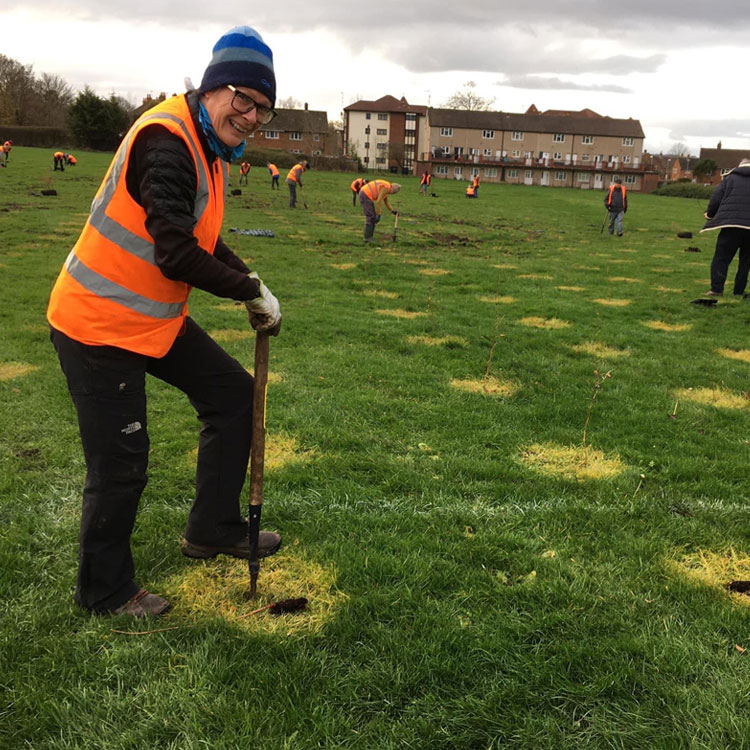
685,190
36,135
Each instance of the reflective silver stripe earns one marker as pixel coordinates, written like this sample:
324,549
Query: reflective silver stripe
113,230
102,287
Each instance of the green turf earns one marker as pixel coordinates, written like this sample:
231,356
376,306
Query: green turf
462,596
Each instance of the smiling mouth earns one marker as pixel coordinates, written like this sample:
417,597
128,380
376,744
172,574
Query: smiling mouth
240,130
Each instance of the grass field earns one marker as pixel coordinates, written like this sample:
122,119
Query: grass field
508,458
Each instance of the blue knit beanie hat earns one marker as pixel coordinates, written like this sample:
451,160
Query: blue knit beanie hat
241,58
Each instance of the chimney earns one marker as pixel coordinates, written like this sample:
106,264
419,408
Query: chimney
718,145
305,106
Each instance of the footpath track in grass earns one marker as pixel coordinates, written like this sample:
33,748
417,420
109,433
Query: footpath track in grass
508,458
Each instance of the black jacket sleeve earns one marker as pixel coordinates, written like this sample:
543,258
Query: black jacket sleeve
716,197
161,178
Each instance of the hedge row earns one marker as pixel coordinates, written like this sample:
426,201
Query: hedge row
36,135
685,190
259,157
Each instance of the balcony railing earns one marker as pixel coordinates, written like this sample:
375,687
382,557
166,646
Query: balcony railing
507,161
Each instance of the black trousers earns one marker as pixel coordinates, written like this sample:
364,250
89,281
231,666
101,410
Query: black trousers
107,385
729,241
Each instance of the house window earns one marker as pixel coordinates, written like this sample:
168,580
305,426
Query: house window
488,134
458,171
382,116
441,169
316,137
366,159
626,159
515,153
473,152
446,131
367,115
511,173
557,156
584,177
273,134
381,146
295,136
628,141
529,174
382,131
316,153
487,152
587,139
516,135
367,130
474,171
296,150
527,154
367,144
410,116
380,160
585,157
558,138
630,179
561,176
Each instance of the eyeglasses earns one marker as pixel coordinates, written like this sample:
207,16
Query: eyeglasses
243,104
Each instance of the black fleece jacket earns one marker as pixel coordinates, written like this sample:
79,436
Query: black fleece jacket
729,205
161,177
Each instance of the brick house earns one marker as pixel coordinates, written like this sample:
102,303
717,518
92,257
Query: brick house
726,159
556,148
300,131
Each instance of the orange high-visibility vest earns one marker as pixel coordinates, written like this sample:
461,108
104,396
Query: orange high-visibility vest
356,185
7,146
274,170
72,159
612,189
374,188
58,154
425,179
475,181
295,173
110,290
244,167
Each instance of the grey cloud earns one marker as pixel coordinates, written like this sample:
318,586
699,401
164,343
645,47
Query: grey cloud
705,129
538,82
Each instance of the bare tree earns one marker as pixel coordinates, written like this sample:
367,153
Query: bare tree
469,100
679,149
289,103
52,98
16,92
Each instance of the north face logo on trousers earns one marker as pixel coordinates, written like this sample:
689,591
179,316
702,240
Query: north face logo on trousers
131,428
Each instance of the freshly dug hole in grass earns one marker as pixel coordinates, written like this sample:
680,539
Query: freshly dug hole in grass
721,398
575,462
218,588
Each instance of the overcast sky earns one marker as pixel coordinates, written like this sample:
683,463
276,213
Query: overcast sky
678,66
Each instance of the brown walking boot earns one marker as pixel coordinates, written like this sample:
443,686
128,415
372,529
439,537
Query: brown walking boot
144,604
268,543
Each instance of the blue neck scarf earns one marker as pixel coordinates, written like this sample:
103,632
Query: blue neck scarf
227,153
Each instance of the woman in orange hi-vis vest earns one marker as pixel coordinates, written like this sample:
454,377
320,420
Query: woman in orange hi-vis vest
244,172
274,171
372,196
118,312
294,179
356,186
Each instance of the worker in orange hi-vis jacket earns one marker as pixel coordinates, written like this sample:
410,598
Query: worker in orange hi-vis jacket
372,196
475,185
6,150
356,186
424,183
293,179
59,161
71,160
244,172
274,171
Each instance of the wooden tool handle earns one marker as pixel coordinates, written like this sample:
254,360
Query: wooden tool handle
258,448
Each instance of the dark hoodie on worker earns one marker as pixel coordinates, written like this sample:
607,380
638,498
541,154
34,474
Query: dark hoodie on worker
729,205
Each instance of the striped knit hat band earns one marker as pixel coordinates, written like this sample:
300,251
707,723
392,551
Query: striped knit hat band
241,58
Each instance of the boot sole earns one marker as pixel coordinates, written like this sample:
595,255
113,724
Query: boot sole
199,552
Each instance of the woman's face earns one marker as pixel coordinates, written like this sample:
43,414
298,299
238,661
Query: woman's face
231,126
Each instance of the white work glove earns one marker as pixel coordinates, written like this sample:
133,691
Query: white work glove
264,311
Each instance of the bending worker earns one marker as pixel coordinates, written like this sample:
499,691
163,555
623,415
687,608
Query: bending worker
274,171
293,179
58,161
7,146
118,312
244,172
356,186
372,196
